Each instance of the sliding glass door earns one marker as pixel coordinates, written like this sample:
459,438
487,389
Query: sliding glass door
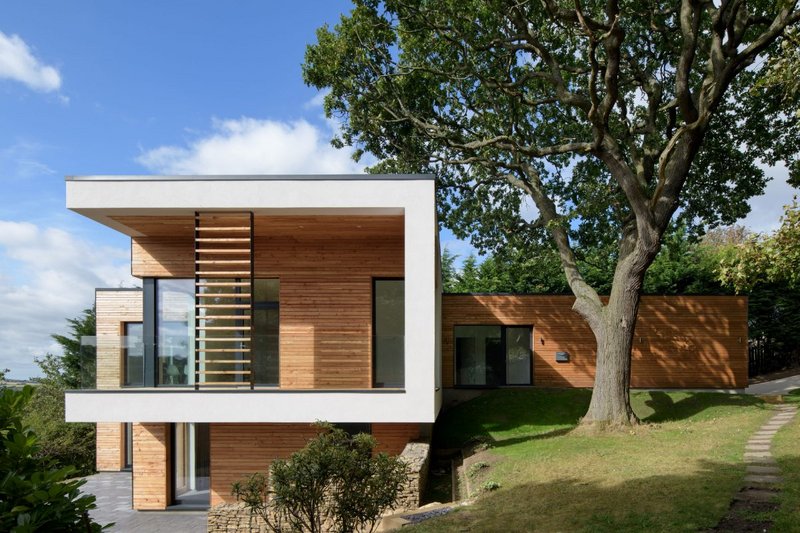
190,465
491,356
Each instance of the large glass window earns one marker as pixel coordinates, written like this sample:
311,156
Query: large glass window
492,355
175,331
389,333
190,454
133,354
266,324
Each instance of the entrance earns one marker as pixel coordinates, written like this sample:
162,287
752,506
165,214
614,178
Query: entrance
190,470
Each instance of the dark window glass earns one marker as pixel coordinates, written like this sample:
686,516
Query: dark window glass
128,445
266,324
389,333
133,354
355,429
492,355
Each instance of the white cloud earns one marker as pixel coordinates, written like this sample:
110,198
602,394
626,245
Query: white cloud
318,100
18,63
21,161
766,210
253,146
48,275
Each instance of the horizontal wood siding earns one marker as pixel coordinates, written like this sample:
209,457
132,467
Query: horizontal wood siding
325,271
241,449
113,309
680,341
392,438
151,468
109,447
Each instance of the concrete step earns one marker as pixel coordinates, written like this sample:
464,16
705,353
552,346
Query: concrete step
760,460
763,470
763,479
756,495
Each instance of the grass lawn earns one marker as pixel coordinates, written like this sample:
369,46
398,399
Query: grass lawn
786,449
676,472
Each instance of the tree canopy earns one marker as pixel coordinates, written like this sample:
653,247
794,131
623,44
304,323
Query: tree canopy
591,123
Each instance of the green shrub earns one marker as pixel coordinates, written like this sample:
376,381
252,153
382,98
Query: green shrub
491,485
65,443
335,483
35,495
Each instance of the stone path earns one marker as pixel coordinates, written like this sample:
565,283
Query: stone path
760,491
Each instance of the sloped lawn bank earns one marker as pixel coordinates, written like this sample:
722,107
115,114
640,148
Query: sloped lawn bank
676,472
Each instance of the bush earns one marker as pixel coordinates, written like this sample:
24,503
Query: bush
335,483
35,495
65,443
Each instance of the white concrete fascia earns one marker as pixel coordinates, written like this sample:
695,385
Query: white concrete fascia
247,406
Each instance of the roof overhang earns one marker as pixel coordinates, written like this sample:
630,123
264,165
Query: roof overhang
103,198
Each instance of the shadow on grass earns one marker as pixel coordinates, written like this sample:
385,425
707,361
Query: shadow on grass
690,502
509,416
667,410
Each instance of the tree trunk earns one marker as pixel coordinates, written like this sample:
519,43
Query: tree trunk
610,403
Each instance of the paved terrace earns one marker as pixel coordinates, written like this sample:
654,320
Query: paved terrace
113,492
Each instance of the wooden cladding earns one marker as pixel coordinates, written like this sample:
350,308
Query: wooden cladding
110,446
345,227
113,309
241,449
679,341
151,467
325,265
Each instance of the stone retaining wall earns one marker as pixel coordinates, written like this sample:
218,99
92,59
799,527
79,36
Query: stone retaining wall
232,517
416,456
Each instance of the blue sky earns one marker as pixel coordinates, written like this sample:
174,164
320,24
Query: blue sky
92,87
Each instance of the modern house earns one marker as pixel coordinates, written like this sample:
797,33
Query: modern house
271,302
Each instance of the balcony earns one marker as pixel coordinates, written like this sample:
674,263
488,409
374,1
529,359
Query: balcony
186,387
112,362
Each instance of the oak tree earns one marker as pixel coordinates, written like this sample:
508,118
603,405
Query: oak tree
579,121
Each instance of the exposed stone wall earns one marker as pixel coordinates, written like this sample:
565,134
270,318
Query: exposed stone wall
230,517
416,456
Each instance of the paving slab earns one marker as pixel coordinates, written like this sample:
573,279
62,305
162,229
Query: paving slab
762,478
758,469
756,495
768,460
113,493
